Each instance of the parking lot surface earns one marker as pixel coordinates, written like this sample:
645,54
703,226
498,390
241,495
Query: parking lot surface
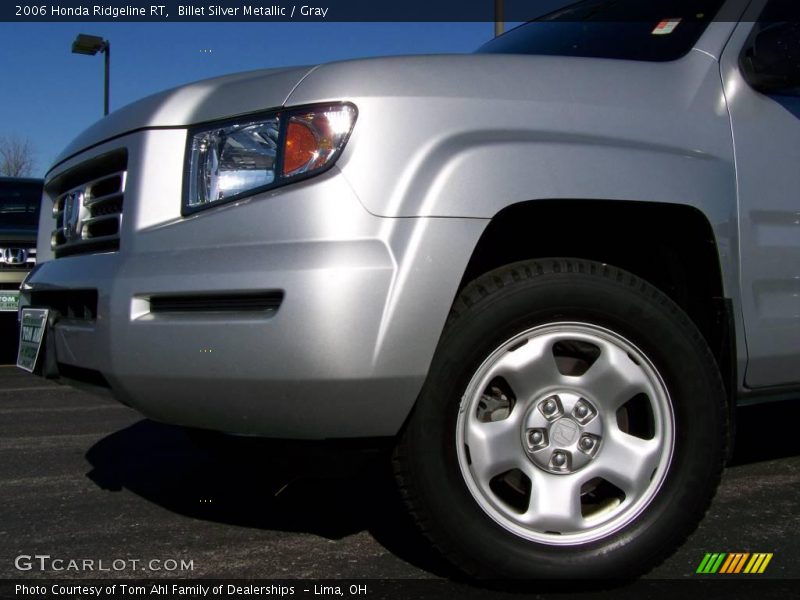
83,477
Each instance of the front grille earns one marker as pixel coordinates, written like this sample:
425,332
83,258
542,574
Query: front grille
88,206
70,304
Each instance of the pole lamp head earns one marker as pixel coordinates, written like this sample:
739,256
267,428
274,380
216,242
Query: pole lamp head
88,44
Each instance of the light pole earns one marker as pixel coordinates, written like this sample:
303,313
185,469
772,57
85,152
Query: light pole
91,45
499,18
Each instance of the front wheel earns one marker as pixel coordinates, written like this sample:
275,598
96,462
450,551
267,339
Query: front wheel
572,426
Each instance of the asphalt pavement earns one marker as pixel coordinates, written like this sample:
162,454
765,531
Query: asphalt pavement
84,477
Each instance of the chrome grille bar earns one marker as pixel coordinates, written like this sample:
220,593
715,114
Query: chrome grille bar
89,216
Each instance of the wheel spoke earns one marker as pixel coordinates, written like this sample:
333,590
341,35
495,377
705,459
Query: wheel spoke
614,378
628,462
494,447
555,503
529,368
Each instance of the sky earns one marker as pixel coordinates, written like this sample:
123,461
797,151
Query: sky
49,95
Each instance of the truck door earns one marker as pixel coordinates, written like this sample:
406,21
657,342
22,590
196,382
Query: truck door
766,134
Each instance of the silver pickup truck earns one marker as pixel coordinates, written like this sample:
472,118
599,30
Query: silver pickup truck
550,269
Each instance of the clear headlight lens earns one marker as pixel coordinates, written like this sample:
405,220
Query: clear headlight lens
234,160
228,161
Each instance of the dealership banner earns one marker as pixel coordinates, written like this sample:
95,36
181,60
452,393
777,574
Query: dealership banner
509,11
402,589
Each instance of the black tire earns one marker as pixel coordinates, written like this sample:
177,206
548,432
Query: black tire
492,310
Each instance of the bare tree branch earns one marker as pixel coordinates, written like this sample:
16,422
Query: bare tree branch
16,156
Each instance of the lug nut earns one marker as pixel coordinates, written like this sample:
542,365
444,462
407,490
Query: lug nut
536,438
549,407
581,411
559,460
587,443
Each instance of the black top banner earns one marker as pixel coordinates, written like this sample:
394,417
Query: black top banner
376,10
281,10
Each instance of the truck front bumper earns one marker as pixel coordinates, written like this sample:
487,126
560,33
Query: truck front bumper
343,349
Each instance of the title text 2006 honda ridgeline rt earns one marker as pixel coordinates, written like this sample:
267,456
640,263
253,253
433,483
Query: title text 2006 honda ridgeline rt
550,269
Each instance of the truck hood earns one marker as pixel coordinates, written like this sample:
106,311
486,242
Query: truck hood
206,100
252,91
550,81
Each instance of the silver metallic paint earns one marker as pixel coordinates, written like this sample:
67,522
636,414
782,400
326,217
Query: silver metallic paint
370,254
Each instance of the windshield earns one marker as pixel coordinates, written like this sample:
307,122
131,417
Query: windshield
19,205
650,30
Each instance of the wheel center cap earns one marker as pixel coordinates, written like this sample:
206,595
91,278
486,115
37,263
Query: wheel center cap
562,432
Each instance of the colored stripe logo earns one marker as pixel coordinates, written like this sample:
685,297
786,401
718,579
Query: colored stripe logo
733,563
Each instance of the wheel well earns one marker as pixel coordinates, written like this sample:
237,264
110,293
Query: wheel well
670,246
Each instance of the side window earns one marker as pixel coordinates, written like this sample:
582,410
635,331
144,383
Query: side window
770,60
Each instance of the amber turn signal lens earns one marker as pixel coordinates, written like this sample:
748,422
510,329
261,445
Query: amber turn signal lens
301,148
314,136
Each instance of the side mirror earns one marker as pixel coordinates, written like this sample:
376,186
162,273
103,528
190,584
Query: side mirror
771,61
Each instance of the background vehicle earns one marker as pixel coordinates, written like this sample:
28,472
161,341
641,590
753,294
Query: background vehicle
536,266
19,223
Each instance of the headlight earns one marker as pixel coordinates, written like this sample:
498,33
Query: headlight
236,159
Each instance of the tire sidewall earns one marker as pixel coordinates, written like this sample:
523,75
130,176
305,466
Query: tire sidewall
661,331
